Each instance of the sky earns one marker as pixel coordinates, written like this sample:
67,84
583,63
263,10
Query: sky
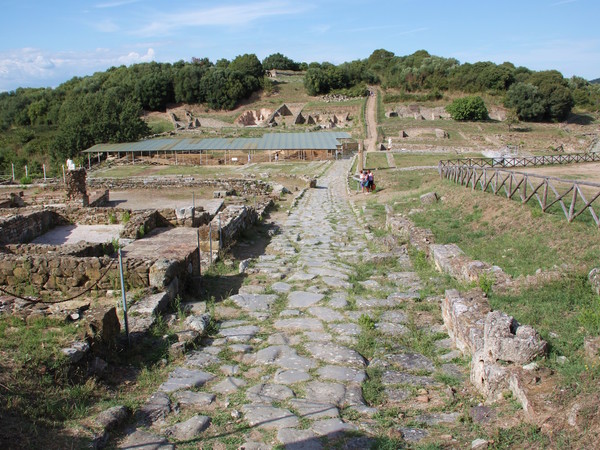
44,43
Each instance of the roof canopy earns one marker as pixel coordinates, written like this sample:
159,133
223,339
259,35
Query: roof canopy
270,141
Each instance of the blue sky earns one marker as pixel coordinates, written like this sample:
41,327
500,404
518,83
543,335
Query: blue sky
44,43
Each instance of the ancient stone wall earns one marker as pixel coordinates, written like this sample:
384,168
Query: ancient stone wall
498,345
242,187
142,222
47,274
25,227
81,249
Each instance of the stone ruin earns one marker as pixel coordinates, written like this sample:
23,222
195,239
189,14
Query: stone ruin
500,348
285,115
76,187
254,118
190,122
418,112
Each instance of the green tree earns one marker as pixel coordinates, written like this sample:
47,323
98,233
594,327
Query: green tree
468,108
526,100
247,64
279,61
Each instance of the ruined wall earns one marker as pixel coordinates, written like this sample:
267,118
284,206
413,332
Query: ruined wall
498,345
47,274
242,187
25,227
82,249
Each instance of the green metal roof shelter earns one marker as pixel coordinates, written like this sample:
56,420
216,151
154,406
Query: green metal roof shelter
271,141
323,144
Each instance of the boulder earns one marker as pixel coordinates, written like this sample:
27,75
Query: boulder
591,346
429,198
112,417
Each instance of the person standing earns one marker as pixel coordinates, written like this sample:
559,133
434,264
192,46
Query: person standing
370,181
361,180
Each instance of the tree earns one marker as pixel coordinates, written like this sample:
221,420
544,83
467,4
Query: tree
247,64
526,100
316,81
96,118
279,61
512,119
468,108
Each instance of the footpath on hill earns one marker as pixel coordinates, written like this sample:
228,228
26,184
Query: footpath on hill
329,341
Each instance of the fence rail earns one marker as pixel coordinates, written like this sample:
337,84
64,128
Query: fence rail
524,161
573,197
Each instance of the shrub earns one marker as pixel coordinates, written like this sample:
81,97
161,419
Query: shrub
468,108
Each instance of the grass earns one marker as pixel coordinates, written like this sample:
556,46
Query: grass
563,312
158,125
376,161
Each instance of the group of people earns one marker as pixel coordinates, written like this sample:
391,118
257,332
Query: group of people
366,180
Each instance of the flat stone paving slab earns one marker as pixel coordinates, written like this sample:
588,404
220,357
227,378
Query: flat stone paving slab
332,428
239,335
343,374
194,399
300,324
303,299
325,314
291,376
269,418
299,439
143,440
319,392
182,378
268,393
168,243
314,410
335,354
254,302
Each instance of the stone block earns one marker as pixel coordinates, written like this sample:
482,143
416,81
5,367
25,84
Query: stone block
506,340
102,326
464,318
429,198
490,379
162,272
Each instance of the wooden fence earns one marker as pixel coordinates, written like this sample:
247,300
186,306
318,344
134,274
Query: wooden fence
573,197
524,161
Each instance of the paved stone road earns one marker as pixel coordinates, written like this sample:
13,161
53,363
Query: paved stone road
301,342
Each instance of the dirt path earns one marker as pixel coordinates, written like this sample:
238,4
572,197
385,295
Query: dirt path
371,119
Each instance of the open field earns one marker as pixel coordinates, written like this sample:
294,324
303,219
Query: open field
578,172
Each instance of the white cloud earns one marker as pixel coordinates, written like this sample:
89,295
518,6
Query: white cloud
33,67
236,15
134,57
